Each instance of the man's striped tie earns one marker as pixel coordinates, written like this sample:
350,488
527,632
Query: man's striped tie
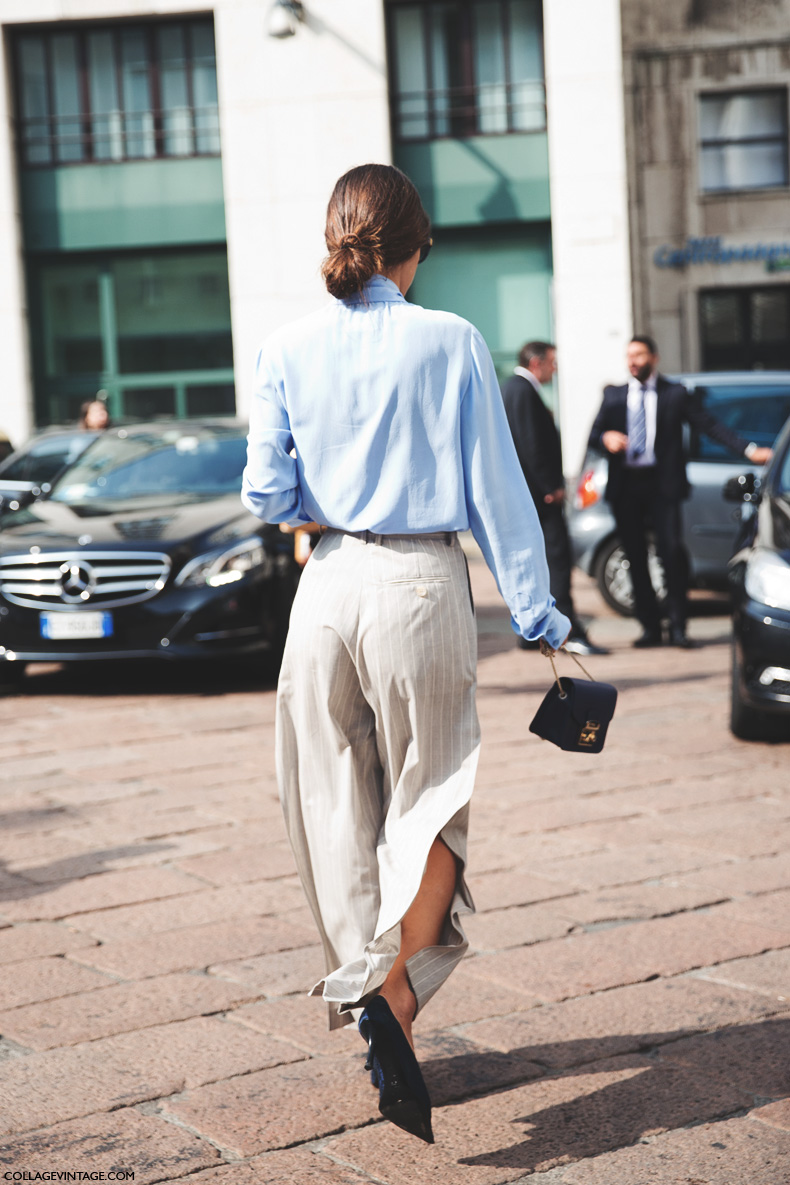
637,437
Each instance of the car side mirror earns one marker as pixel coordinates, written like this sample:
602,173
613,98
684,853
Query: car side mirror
743,488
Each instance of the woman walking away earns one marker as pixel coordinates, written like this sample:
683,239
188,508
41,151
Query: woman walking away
384,421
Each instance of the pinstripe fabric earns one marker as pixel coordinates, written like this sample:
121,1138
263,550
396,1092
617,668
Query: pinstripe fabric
377,744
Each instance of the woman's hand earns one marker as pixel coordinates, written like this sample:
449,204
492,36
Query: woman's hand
549,651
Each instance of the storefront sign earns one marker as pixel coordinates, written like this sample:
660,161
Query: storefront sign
775,256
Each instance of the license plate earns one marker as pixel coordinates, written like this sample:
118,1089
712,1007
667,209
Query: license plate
60,626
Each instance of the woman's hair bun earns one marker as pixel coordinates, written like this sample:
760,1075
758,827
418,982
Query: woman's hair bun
375,220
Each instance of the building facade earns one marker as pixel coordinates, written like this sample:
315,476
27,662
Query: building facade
707,127
165,167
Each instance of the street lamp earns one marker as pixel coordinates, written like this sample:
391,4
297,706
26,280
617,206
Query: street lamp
284,18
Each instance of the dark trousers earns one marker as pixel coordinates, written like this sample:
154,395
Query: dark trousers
637,509
558,555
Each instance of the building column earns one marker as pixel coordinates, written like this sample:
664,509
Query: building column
16,392
589,209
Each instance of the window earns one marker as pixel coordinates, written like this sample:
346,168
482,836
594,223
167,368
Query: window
743,140
152,328
466,68
755,411
745,328
129,92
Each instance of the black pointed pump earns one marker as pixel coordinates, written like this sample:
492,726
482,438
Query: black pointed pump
403,1095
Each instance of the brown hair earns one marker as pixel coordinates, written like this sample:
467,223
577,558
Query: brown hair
374,221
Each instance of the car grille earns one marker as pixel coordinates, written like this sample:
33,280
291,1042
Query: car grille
69,579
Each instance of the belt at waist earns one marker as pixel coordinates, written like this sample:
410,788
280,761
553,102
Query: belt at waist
447,537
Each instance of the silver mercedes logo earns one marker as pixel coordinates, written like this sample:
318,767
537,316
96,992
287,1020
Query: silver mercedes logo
77,582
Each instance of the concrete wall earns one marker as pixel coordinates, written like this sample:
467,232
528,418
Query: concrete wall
295,114
589,208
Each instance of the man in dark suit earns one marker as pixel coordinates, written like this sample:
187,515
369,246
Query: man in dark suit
537,443
640,425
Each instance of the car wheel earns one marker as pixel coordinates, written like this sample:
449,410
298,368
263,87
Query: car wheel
748,723
613,577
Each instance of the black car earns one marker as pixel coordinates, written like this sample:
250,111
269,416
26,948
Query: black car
142,549
29,471
759,577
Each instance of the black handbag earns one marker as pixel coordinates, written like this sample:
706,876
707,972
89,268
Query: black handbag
575,713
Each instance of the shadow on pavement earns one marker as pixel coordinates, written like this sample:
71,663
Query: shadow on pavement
701,1077
141,677
17,884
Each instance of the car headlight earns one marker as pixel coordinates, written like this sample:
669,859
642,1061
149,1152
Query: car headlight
767,580
224,567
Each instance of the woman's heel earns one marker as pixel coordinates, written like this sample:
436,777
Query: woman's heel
403,1096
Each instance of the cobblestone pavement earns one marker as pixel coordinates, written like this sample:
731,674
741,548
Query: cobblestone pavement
623,1017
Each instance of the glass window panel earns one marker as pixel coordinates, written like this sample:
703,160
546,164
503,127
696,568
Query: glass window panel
411,77
768,315
34,100
743,166
489,59
136,91
446,68
66,97
177,133
211,400
106,122
150,402
721,318
204,87
528,94
172,312
71,331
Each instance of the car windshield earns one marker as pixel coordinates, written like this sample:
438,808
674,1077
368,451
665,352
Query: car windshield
757,413
42,459
194,463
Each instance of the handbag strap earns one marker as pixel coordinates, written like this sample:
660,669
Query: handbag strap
564,694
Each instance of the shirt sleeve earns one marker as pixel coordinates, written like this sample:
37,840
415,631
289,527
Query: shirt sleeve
501,512
270,483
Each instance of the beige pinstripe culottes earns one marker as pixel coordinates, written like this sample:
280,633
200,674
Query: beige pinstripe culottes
377,743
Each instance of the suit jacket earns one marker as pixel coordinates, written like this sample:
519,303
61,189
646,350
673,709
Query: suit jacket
535,436
674,407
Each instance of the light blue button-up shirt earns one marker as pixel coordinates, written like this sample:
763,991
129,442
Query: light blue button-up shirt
375,414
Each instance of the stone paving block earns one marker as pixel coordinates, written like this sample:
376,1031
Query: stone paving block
734,1152
532,1128
31,980
120,856
152,1150
518,926
282,1168
274,1108
498,890
638,862
769,972
242,864
635,901
121,1008
491,850
36,939
582,963
754,1057
774,1114
752,840
192,909
194,947
276,975
46,1088
97,892
770,909
759,875
454,1068
302,1021
623,1020
465,998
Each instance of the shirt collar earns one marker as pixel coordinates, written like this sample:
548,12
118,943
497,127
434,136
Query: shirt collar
527,374
378,290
